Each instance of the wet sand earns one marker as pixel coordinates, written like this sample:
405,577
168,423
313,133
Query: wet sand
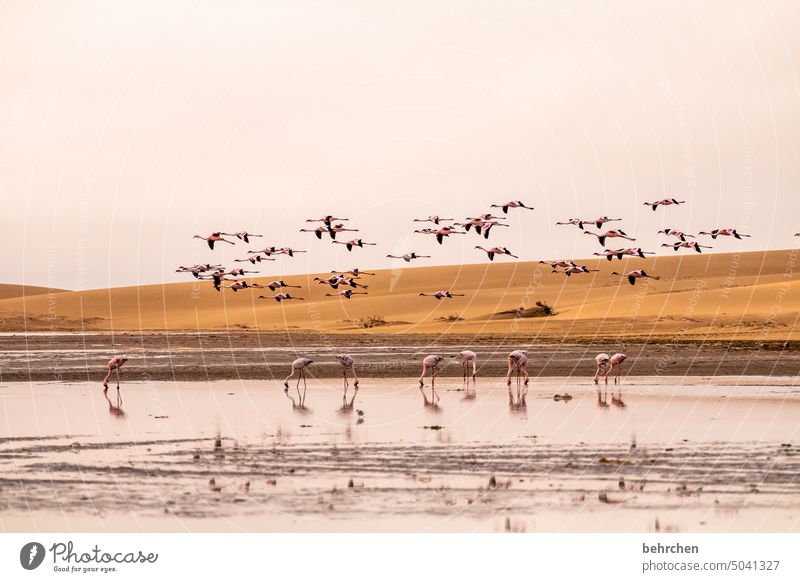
265,356
685,454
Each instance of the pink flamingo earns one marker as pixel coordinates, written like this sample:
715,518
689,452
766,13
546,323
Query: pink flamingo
328,220
197,270
725,232
575,221
318,232
348,363
487,216
431,363
554,264
602,361
253,259
408,257
114,363
497,251
599,222
687,245
346,293
243,236
616,362
439,295
518,362
467,357
280,283
356,242
601,237
676,233
575,269
619,253
237,285
354,272
281,297
299,366
434,219
664,202
440,233
212,238
637,274
511,204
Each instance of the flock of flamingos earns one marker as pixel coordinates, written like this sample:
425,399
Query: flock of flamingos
482,225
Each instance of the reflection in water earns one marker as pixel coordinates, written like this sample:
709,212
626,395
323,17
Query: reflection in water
114,409
518,403
347,406
617,400
470,393
433,402
602,398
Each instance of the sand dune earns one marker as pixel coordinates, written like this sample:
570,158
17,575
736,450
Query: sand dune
747,296
9,291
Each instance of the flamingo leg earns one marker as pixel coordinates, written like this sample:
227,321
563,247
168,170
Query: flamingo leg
422,376
355,378
303,401
297,387
597,374
118,373
510,370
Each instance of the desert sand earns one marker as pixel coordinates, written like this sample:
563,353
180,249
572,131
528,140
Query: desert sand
749,296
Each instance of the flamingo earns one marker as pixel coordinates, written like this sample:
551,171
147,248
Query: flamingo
355,272
431,363
280,283
281,297
496,251
212,238
619,253
481,226
114,363
288,251
434,219
328,220
348,363
299,366
576,221
242,236
440,233
346,293
601,237
439,295
518,362
687,245
487,216
676,233
616,362
725,232
664,202
467,357
335,280
602,361
356,242
576,269
253,259
637,274
237,285
239,272
554,264
511,204
317,231
408,257
599,222
197,270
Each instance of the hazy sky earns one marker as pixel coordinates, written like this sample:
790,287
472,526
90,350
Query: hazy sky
128,127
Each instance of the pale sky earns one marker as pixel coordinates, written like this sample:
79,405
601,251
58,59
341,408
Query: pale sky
128,127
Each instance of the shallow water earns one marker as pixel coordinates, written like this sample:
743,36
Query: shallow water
695,454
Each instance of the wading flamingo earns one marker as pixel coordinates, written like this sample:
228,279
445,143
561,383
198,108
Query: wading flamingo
212,238
616,362
602,361
518,362
467,357
431,363
348,363
114,363
298,366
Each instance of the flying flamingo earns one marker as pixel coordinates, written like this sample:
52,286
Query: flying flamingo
637,274
576,269
687,245
601,237
348,363
288,251
496,251
299,366
243,236
235,286
335,280
554,264
346,293
356,242
212,238
317,231
281,297
725,232
467,357
434,219
482,227
253,259
408,257
327,220
599,222
576,221
355,272
114,363
273,285
487,216
197,270
511,204
676,233
619,253
442,295
440,233
664,202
